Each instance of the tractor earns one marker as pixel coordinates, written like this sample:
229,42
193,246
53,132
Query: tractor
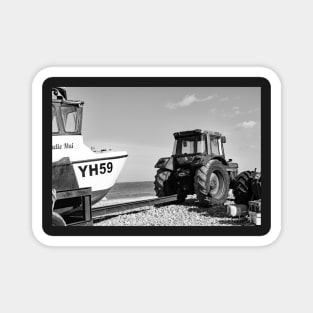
197,166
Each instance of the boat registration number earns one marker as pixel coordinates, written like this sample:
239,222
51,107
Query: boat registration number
96,169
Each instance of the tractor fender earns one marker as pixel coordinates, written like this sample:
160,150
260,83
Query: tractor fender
216,157
231,168
165,163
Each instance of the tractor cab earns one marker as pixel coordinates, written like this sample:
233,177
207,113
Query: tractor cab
66,114
197,142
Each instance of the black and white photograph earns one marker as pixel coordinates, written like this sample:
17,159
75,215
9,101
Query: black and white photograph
151,156
156,156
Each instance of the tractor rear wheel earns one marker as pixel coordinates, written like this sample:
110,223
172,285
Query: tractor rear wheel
57,220
212,183
162,183
242,187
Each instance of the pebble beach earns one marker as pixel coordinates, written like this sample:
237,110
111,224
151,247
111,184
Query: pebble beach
190,213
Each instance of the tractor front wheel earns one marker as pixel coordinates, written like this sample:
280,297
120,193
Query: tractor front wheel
162,183
212,183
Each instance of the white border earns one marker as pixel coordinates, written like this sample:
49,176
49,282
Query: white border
155,72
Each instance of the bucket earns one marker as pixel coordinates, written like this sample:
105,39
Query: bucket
237,210
255,218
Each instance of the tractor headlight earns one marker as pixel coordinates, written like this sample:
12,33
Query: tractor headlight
183,173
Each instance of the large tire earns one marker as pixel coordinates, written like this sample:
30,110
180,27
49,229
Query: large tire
57,220
242,187
162,183
212,183
256,187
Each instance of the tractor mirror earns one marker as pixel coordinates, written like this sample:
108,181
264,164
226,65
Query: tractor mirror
184,143
223,139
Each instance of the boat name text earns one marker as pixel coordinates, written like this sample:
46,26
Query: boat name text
66,145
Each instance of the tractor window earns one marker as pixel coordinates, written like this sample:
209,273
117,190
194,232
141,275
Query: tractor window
201,146
215,146
189,145
55,128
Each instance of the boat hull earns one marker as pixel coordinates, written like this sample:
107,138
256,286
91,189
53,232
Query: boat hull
79,167
96,196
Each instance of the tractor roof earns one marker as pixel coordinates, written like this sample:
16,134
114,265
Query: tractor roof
195,132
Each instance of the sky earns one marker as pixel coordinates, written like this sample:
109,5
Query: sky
142,120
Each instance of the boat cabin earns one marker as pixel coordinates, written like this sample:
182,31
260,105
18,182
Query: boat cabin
66,114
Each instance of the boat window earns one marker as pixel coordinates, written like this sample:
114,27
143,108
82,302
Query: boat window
70,119
70,125
55,128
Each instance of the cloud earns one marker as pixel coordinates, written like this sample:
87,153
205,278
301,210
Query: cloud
212,110
254,110
187,101
224,99
227,115
236,110
253,146
246,124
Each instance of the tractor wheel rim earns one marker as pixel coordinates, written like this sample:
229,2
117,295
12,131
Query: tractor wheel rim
214,184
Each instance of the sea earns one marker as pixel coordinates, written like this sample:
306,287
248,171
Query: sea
131,190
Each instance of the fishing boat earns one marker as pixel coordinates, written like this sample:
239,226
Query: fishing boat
75,165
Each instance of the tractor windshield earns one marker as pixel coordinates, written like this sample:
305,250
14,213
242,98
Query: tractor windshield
190,145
